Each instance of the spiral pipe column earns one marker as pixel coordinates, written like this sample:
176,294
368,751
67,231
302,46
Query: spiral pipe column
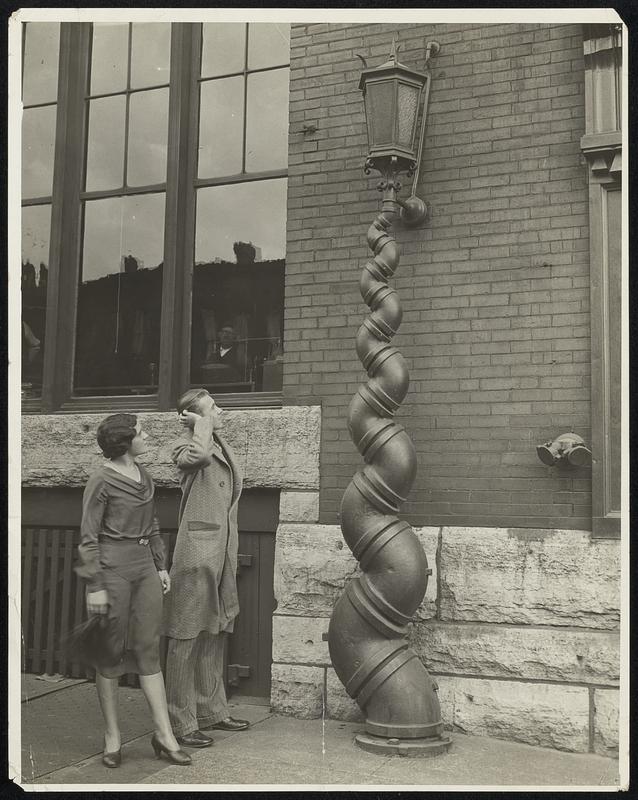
369,623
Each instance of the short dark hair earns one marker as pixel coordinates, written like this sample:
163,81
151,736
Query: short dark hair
115,434
189,401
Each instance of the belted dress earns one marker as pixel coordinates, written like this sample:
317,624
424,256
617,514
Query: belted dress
121,551
203,594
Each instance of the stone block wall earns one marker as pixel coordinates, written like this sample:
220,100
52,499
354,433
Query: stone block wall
519,627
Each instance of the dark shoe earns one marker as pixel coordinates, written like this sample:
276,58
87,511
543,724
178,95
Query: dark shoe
174,756
230,724
195,739
112,760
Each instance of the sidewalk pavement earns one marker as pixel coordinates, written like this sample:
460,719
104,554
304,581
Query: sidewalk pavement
283,751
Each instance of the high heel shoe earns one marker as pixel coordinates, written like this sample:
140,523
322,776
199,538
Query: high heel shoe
112,760
174,756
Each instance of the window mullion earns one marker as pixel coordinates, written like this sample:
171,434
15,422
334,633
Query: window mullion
65,243
179,232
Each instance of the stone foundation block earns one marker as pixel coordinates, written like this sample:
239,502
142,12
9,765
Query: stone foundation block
299,506
529,576
339,704
518,652
313,563
540,714
297,691
299,640
606,721
274,447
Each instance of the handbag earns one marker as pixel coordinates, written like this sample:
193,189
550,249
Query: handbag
96,641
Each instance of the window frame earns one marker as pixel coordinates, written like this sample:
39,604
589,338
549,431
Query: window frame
181,187
602,147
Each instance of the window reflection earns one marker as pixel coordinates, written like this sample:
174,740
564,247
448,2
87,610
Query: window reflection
221,127
150,54
105,152
38,146
223,48
41,51
109,59
268,44
267,120
238,287
36,231
148,137
119,297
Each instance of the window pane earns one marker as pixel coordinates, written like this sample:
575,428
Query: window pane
221,127
150,54
223,48
36,231
120,296
105,155
38,145
109,61
41,50
268,44
238,287
267,120
148,134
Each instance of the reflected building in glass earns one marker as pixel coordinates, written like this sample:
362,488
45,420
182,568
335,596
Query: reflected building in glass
181,131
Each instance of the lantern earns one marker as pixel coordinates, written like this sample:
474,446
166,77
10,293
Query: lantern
392,96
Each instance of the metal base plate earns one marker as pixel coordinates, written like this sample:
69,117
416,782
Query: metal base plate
415,748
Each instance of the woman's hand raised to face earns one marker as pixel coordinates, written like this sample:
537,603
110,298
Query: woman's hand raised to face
97,602
165,578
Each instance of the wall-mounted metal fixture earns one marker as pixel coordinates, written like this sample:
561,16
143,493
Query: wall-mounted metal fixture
367,636
567,448
396,103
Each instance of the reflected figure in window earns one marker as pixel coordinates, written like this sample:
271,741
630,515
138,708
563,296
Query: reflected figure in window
227,362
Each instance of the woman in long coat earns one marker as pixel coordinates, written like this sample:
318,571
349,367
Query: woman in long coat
203,602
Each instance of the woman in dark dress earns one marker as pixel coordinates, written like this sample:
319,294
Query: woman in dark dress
122,559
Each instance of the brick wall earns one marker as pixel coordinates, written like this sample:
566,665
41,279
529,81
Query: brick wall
495,288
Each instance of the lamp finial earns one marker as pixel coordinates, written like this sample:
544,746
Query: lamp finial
395,49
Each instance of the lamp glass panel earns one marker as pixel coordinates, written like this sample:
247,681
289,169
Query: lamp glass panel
408,104
379,103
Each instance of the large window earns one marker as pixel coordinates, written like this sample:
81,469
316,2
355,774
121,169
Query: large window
162,213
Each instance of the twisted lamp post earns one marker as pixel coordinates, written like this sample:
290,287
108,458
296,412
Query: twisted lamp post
369,623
